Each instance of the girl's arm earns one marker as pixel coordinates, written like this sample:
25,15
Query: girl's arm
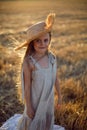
57,86
27,88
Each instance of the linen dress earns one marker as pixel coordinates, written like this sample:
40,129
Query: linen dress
42,98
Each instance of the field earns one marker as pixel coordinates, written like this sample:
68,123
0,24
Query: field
69,42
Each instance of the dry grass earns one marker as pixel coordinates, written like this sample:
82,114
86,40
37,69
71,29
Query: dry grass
73,81
8,79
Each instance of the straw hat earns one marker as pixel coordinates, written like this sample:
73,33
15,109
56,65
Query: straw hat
38,29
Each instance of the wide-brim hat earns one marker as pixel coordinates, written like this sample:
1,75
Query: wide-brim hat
37,30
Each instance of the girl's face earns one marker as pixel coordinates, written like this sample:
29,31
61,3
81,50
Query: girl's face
41,44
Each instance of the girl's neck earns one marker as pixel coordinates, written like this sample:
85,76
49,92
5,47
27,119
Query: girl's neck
38,55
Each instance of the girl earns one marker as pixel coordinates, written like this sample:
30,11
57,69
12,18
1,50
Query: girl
39,75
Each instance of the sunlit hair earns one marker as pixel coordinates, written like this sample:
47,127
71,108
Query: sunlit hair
30,49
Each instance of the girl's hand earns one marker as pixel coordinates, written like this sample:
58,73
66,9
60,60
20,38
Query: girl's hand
30,113
58,106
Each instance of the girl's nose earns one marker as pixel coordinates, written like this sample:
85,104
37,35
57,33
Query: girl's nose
43,42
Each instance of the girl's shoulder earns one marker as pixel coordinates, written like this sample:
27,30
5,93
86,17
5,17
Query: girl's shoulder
52,54
52,57
27,62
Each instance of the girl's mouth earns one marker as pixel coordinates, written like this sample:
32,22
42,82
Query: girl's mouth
42,47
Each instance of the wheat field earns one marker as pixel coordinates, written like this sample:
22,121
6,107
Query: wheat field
69,42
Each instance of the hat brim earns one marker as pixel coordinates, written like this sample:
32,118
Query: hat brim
26,43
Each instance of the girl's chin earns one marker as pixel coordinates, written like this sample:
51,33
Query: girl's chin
41,51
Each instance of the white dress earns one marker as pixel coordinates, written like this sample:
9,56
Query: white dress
42,97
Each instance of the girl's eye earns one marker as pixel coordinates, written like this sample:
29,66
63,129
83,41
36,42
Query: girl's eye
38,40
45,40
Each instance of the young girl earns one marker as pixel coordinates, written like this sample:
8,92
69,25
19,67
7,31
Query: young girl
39,75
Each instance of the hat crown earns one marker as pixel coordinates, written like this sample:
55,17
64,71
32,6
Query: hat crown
35,29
